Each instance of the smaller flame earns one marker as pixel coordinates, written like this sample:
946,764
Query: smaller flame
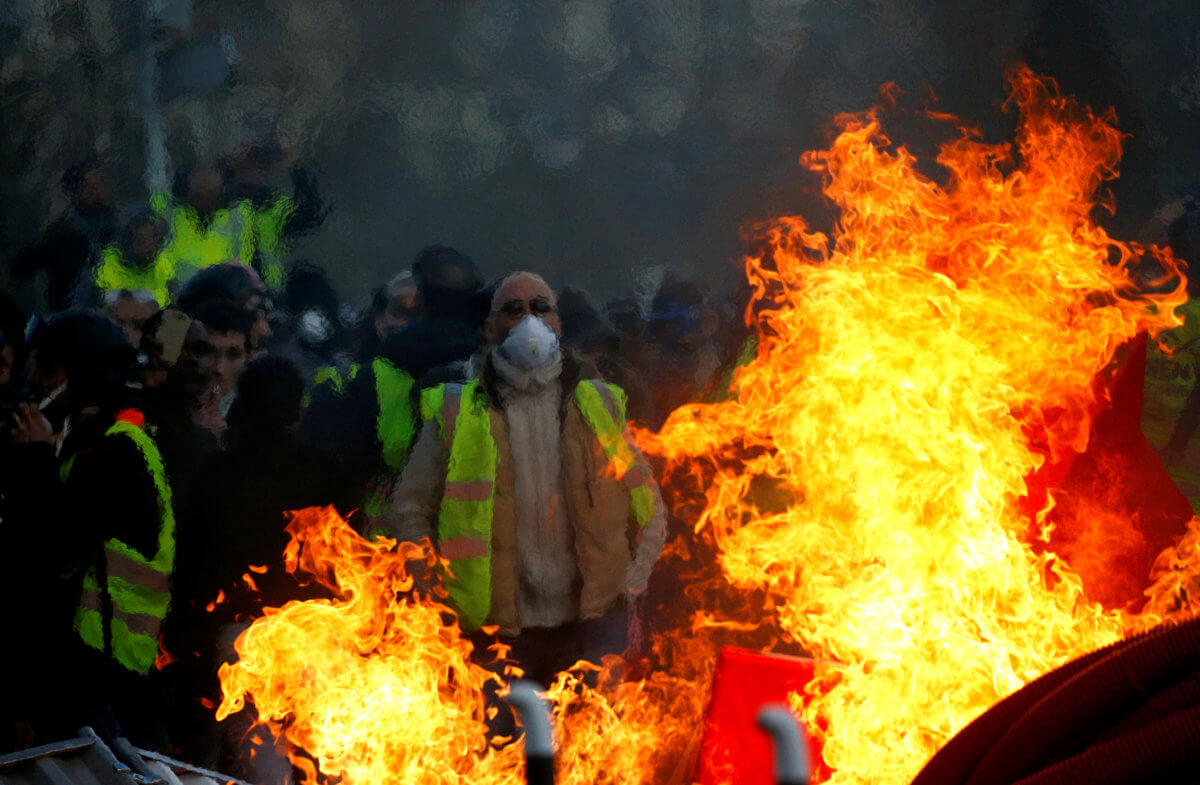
374,684
163,658
220,599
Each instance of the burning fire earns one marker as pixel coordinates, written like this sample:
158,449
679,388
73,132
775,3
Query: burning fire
868,485
374,686
916,369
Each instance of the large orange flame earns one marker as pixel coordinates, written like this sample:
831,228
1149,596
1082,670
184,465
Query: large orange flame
865,490
915,369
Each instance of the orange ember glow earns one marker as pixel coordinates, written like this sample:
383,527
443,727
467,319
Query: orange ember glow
863,496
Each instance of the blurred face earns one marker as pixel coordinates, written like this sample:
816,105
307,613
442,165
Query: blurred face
132,316
204,190
95,190
154,372
521,295
145,241
191,368
401,308
250,173
226,359
46,376
189,372
683,328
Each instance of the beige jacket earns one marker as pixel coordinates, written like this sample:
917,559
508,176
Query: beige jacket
614,557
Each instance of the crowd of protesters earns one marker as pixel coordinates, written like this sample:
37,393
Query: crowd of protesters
187,383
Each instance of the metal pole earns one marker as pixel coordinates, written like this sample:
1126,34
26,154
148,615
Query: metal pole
539,736
151,114
792,764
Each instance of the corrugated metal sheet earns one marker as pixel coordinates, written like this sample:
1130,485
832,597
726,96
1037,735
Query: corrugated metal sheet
87,760
81,761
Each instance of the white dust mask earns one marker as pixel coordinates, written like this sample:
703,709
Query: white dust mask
531,345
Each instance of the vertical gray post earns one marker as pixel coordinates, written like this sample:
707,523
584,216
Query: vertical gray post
156,15
792,764
147,79
539,736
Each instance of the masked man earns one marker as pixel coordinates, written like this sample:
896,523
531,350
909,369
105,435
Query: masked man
528,484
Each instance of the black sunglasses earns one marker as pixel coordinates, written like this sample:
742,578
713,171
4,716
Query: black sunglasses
538,306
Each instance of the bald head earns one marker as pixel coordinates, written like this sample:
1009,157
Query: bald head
519,295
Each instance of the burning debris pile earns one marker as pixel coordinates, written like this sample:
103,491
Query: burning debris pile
919,373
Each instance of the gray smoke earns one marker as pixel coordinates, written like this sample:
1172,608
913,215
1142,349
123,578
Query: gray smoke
587,139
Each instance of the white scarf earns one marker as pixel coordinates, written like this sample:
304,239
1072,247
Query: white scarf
547,568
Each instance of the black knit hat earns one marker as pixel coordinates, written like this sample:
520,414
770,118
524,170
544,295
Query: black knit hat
447,279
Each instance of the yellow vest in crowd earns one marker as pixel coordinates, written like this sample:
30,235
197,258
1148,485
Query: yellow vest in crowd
1171,373
138,588
268,220
465,520
114,273
194,244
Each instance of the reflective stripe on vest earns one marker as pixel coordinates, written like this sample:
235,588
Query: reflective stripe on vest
395,426
465,517
603,408
138,588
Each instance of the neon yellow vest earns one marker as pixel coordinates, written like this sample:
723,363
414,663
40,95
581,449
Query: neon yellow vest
137,587
465,518
267,222
724,389
396,426
194,245
113,273
332,376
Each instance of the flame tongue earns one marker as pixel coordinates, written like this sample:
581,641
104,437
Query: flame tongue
907,366
374,687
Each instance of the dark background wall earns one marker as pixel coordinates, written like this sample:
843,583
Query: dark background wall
589,139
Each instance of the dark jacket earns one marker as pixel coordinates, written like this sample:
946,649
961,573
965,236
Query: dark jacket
235,518
431,349
432,341
57,536
69,246
183,444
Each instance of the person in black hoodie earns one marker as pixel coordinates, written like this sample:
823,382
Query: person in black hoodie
233,527
109,534
373,424
447,331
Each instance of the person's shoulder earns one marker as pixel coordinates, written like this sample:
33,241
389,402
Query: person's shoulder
109,454
601,385
593,393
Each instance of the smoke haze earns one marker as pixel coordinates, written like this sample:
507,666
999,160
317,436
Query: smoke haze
586,139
